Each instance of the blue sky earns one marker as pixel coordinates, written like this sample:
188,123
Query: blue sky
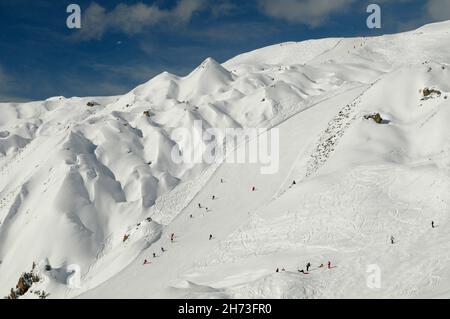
124,43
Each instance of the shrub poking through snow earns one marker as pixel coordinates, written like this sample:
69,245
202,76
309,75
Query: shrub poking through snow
24,284
429,93
376,117
91,103
147,113
125,238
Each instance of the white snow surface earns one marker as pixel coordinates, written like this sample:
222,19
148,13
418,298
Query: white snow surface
74,179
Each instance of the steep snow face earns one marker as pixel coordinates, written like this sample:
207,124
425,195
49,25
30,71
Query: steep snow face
89,185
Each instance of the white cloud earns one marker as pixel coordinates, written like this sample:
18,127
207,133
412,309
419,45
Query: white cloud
94,22
439,9
430,11
310,12
185,9
223,7
132,19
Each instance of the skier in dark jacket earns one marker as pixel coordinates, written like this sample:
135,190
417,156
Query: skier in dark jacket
308,265
210,237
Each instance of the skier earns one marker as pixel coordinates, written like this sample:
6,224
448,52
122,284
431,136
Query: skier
432,224
171,237
253,188
294,183
301,271
146,262
210,237
214,197
154,255
329,264
199,205
162,249
221,180
278,270
308,265
392,240
321,265
190,216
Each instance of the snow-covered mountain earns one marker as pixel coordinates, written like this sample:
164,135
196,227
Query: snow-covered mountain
88,185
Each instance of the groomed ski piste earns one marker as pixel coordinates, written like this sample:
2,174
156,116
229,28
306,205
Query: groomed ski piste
93,190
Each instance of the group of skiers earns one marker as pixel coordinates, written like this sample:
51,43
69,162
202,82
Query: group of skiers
308,267
172,236
206,208
211,237
213,197
163,250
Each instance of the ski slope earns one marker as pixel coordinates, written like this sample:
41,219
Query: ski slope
96,187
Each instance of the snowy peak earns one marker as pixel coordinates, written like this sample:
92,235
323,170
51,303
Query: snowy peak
208,78
210,67
167,89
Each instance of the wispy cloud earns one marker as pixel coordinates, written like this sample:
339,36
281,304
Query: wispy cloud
132,19
427,11
309,12
438,10
223,7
